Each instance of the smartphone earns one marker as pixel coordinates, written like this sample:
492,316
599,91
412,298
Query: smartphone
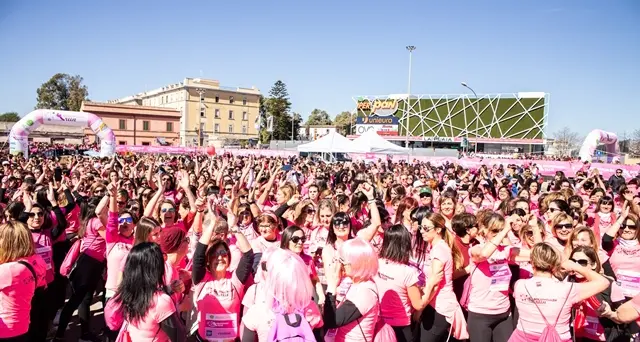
57,174
286,168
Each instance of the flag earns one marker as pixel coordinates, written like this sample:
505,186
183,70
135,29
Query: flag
270,124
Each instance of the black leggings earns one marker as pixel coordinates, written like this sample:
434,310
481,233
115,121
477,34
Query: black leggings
21,338
39,316
403,334
496,328
433,326
84,280
57,290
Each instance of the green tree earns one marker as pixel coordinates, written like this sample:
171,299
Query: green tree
318,117
62,92
9,117
344,122
278,106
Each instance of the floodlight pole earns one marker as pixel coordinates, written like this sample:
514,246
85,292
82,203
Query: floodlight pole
409,48
464,84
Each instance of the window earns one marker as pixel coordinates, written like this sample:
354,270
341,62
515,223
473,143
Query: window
230,115
244,101
230,99
245,116
230,128
146,143
217,113
244,129
217,98
203,112
122,142
122,124
169,126
145,126
202,97
166,99
216,128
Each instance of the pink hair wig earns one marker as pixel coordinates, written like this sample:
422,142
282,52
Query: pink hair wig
362,258
287,282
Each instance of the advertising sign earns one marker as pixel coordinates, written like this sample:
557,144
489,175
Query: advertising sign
379,107
380,129
374,120
439,139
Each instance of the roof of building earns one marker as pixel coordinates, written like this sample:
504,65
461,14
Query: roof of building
100,107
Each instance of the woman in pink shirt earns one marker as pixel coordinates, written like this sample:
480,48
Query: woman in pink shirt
288,291
488,302
269,229
217,291
544,302
87,271
443,316
561,227
150,314
21,274
356,317
622,242
293,239
397,282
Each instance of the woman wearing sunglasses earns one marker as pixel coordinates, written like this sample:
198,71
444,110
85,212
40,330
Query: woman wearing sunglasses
621,241
603,217
218,291
561,228
587,325
488,297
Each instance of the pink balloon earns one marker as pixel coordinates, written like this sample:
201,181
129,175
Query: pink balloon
211,151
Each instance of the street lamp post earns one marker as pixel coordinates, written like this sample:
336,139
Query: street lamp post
464,84
410,48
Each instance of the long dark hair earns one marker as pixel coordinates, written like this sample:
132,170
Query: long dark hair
142,278
287,234
396,244
331,237
87,212
419,245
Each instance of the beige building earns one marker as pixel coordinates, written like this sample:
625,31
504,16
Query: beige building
221,113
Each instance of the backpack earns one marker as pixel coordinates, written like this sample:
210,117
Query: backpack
549,333
291,327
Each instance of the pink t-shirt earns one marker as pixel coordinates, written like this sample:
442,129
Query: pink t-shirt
148,329
17,286
260,318
318,238
218,305
260,244
393,280
625,262
489,290
635,302
40,266
365,297
93,244
42,241
118,248
444,301
548,294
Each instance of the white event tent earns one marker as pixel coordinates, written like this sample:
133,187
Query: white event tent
330,143
372,142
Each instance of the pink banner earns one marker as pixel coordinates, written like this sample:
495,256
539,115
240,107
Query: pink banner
158,149
545,167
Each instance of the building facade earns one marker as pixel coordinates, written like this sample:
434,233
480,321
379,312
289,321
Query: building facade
51,134
137,125
208,110
313,132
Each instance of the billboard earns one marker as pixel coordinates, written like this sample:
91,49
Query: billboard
496,116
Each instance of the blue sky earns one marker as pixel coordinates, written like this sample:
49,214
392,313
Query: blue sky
585,53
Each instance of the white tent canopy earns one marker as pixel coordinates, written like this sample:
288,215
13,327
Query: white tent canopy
372,142
330,143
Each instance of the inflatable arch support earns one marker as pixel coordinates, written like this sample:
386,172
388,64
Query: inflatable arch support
19,136
598,137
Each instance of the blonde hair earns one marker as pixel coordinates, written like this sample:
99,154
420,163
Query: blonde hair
559,218
298,214
16,242
491,222
545,258
439,222
550,197
574,234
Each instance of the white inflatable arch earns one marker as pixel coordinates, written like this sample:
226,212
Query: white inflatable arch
19,136
598,137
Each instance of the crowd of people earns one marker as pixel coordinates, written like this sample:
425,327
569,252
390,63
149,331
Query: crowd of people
224,248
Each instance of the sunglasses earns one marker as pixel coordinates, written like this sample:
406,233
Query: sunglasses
494,231
99,190
630,226
36,214
529,233
310,210
341,224
244,196
553,210
564,226
221,252
227,189
298,239
425,229
167,210
124,220
425,195
581,262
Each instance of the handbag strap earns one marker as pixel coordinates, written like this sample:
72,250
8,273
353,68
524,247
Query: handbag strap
540,311
31,269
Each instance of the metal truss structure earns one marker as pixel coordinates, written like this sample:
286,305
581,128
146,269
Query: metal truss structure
492,116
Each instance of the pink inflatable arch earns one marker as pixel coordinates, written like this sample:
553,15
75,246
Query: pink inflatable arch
598,137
